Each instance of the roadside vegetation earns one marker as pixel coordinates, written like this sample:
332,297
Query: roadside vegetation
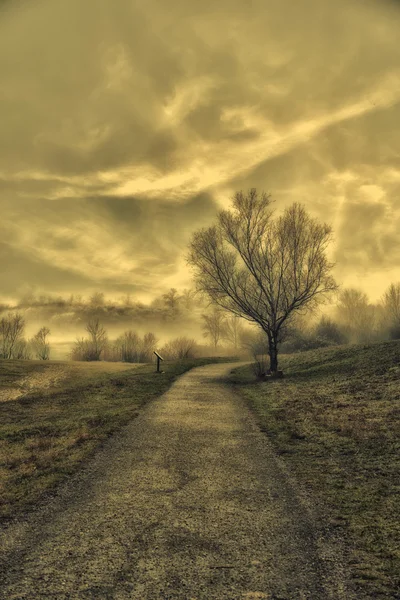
45,435
334,419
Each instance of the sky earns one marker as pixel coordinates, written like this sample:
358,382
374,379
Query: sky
126,125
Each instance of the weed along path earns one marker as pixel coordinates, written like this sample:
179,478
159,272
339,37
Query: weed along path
188,501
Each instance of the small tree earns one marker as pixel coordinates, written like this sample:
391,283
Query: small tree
171,300
40,344
233,330
328,330
81,350
128,345
148,345
357,315
21,350
11,332
214,325
98,339
260,268
97,299
391,310
188,298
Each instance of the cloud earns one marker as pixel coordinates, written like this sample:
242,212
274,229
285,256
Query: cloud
126,125
99,242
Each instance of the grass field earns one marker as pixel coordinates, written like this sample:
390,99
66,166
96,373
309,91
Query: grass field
60,413
334,419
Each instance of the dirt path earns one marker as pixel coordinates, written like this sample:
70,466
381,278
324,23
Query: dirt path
187,502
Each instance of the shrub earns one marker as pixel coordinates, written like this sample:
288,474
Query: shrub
256,343
394,332
179,348
300,341
84,349
329,330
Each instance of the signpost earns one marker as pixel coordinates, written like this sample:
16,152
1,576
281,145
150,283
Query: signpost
158,361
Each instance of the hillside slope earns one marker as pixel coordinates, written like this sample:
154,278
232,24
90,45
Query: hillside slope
334,419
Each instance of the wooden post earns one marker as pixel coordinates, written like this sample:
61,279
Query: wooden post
159,358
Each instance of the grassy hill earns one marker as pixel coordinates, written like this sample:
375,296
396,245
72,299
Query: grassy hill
334,419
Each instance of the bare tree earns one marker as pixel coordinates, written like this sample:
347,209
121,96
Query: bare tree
97,299
171,299
327,329
352,307
21,350
98,338
188,298
391,309
233,330
263,268
214,325
148,345
40,344
358,316
11,332
81,350
128,346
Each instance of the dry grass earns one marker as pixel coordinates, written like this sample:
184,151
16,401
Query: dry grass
47,433
22,377
334,418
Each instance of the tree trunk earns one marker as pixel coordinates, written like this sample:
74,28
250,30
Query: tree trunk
273,353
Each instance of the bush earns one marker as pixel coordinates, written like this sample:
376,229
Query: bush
84,350
325,333
130,347
329,330
256,343
179,348
394,332
300,341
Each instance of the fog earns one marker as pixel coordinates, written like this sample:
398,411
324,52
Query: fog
349,316
167,317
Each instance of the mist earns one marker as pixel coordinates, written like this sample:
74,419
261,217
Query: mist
67,317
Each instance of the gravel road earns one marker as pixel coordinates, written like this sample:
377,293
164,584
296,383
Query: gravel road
188,501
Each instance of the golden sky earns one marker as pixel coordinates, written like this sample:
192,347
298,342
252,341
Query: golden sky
126,125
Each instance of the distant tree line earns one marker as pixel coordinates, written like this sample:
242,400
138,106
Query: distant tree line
352,319
173,304
128,347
